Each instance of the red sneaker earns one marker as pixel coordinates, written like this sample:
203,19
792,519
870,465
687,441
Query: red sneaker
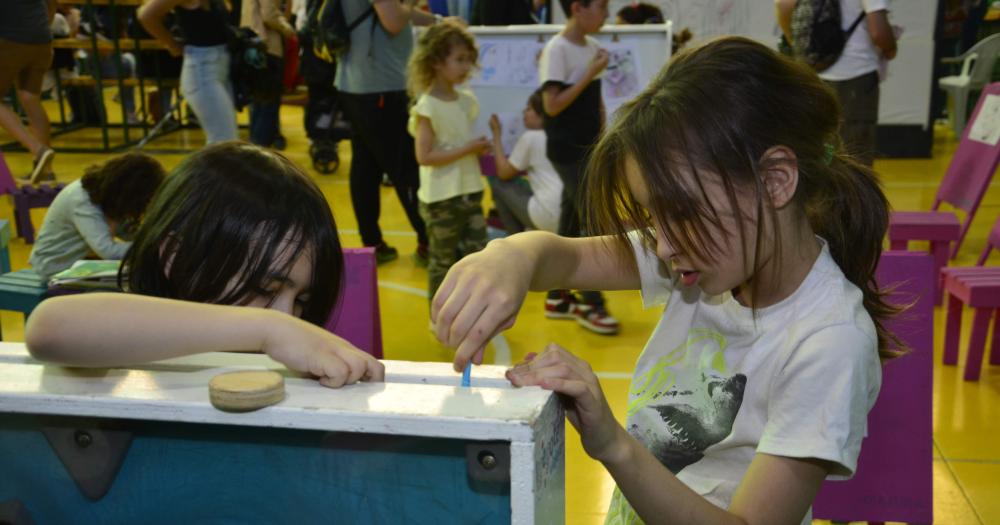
563,307
596,319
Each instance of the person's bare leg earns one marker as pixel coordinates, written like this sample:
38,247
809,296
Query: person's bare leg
11,122
37,118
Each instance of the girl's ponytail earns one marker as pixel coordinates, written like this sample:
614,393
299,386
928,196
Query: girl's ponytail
845,206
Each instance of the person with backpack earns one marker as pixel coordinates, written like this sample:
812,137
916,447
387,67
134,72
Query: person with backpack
847,60
265,18
371,82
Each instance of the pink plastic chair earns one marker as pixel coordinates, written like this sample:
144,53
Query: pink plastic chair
979,287
962,187
356,316
894,477
25,198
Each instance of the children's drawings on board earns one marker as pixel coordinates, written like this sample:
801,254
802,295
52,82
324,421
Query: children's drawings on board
507,63
620,81
986,128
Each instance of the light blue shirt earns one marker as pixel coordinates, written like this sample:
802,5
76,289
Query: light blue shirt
74,226
376,61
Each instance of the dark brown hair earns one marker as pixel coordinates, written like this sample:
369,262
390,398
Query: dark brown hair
123,186
717,109
231,210
567,5
536,102
640,13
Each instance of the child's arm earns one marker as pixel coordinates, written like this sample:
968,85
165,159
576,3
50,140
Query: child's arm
96,231
427,155
505,170
482,293
556,98
118,329
775,489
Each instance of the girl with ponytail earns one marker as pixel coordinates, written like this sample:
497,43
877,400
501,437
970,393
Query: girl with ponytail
723,194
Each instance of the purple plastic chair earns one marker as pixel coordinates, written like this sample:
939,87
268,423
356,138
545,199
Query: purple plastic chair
25,198
894,478
356,316
962,187
979,288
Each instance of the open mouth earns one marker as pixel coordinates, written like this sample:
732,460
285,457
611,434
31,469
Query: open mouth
689,277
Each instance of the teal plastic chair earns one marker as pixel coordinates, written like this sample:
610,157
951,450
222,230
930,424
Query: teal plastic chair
20,291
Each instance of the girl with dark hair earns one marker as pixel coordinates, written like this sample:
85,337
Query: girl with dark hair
725,196
234,225
87,214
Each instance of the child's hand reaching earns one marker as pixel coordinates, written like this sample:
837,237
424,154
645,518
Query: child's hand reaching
304,347
479,298
598,63
586,407
495,126
478,146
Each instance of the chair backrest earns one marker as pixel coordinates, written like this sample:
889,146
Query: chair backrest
894,477
4,246
992,242
975,159
356,316
986,52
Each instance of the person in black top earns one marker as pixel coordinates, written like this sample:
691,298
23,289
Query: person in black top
25,56
205,81
505,12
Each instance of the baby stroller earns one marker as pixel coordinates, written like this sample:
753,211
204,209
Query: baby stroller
324,122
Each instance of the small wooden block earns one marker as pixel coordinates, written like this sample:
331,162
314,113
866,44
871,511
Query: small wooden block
246,390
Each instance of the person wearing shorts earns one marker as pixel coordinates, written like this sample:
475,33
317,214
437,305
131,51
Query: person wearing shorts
25,56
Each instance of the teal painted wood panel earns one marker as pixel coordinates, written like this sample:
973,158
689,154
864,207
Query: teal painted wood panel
189,473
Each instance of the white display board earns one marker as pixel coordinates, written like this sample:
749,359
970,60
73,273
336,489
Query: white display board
906,91
508,73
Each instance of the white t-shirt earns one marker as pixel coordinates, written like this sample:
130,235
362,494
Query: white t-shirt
860,56
566,62
715,385
451,121
546,186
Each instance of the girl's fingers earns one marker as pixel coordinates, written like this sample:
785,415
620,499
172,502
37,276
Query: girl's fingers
466,323
472,345
374,371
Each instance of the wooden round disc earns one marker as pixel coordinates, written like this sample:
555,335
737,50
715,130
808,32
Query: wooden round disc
246,390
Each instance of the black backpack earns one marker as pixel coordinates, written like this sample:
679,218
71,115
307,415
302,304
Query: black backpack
330,33
818,36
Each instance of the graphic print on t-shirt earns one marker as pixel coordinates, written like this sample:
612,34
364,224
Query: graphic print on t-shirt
686,402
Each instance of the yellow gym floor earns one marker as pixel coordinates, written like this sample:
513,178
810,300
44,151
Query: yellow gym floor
966,415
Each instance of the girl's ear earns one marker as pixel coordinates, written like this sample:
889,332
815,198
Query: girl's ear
780,175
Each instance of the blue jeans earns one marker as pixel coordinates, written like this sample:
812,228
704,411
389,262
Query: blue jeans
205,84
265,118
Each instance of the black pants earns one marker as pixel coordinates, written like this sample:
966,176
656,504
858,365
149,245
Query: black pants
858,115
380,144
570,224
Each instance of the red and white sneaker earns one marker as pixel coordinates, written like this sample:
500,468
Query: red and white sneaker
596,319
563,307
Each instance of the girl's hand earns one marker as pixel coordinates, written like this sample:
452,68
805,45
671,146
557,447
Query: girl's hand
305,347
479,298
587,409
176,48
478,146
495,126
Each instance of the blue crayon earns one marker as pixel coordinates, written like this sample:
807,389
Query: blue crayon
467,375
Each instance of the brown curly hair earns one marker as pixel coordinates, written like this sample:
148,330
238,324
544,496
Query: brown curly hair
123,186
433,47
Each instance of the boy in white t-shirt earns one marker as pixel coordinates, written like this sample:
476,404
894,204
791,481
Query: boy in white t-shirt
535,206
569,69
854,76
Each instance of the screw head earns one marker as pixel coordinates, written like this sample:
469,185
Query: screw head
487,460
83,438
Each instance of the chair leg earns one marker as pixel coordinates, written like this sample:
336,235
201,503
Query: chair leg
977,343
898,244
939,249
995,350
952,330
961,104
